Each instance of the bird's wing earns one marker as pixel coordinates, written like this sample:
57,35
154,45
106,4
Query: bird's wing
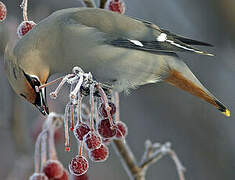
126,32
165,41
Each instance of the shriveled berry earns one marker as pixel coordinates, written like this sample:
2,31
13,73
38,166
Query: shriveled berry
78,166
24,28
103,111
116,6
100,154
3,11
82,177
105,129
92,140
65,176
53,169
80,130
121,130
38,176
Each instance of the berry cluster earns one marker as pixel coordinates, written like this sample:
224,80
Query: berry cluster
96,131
94,139
3,11
116,6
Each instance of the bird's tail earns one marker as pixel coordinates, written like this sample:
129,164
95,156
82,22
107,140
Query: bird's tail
180,76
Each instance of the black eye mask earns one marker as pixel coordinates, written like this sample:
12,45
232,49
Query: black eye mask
40,101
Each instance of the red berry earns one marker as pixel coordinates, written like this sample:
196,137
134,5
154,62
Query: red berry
80,130
65,176
3,11
92,140
121,130
105,129
103,111
78,166
116,6
100,154
24,28
53,169
38,176
82,177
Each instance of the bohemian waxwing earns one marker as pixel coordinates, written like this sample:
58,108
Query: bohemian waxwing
120,51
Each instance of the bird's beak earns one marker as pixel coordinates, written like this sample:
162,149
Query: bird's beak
41,102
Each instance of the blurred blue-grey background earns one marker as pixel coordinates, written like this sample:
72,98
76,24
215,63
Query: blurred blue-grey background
202,137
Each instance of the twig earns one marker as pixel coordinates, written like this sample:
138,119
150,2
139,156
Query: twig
160,151
102,3
179,166
128,160
127,157
153,152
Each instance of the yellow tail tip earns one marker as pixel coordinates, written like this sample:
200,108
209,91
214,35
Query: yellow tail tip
226,113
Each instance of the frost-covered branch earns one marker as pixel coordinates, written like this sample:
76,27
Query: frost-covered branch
108,126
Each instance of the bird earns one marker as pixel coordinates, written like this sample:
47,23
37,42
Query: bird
120,51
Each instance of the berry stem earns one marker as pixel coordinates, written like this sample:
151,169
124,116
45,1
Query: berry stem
24,6
74,93
37,151
80,148
43,150
117,104
49,83
52,150
72,117
79,108
96,111
92,107
105,101
66,128
64,80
